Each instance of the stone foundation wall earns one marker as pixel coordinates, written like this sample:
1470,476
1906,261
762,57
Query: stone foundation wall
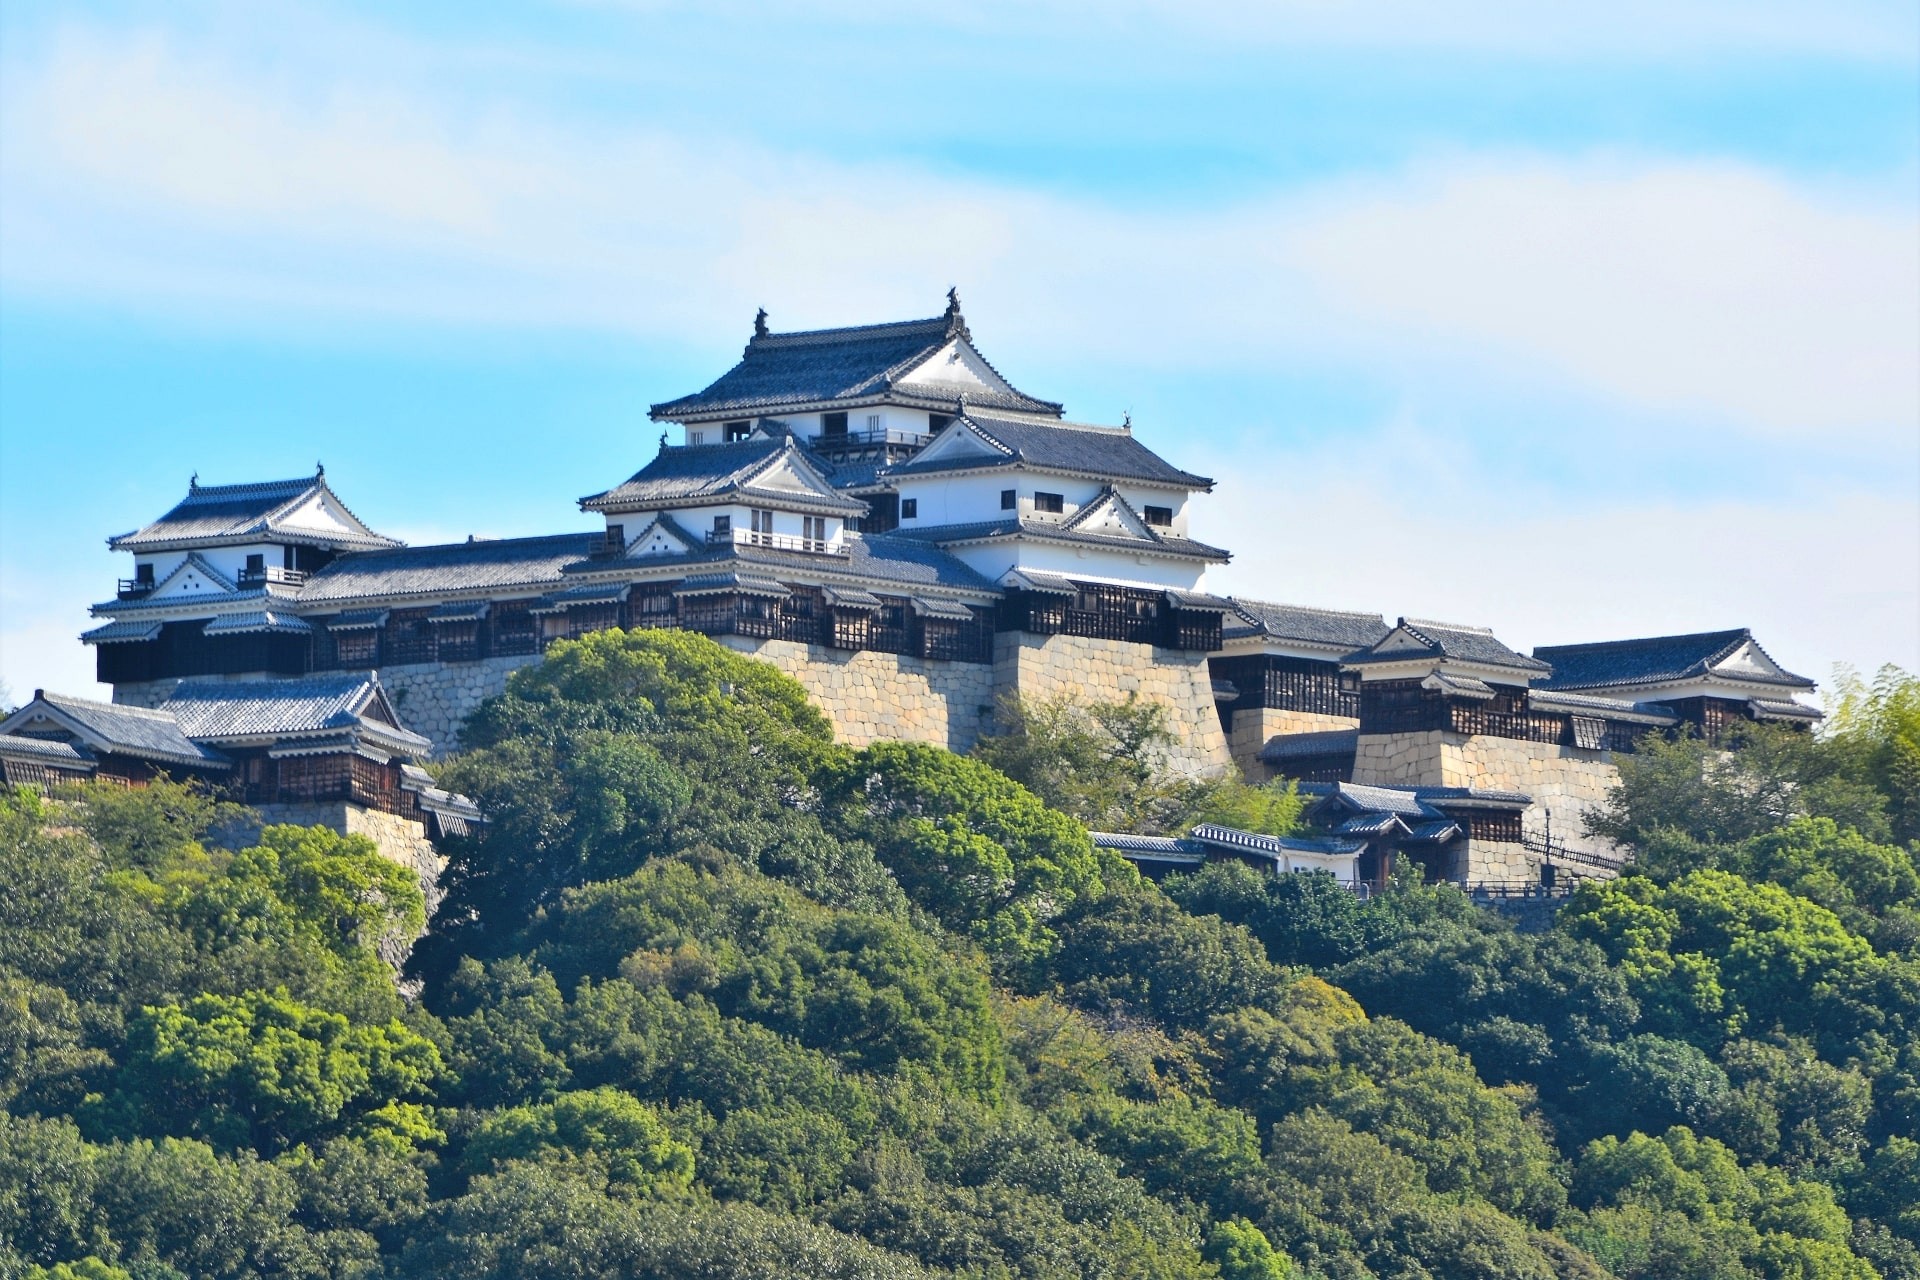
875,697
435,698
1254,727
1564,782
1106,670
144,693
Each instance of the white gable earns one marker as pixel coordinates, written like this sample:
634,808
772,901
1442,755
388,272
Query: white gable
956,364
960,441
657,540
318,513
194,578
785,477
1747,660
35,723
1110,516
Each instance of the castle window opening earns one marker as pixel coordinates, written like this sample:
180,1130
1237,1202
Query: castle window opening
833,424
1009,499
1159,517
1050,503
739,430
909,508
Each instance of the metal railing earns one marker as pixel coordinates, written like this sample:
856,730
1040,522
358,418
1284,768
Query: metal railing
868,438
135,588
778,541
270,573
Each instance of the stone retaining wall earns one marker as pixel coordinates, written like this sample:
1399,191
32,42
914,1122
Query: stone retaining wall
435,698
1563,781
1254,727
875,697
1046,667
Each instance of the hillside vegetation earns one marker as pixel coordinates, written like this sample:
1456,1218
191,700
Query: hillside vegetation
717,997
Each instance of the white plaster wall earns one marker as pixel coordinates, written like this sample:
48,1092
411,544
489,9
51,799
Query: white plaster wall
992,560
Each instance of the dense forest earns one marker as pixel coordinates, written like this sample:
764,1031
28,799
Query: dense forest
717,997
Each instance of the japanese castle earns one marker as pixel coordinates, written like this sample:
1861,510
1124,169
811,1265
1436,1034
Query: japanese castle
883,515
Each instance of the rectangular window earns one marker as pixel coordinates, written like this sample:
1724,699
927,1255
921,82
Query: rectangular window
909,508
814,529
1051,503
616,537
762,520
873,422
833,424
1161,516
936,422
256,565
143,573
1008,499
696,437
739,430
722,526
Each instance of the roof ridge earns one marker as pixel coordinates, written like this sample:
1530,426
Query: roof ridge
68,699
1739,632
1308,608
888,328
1414,624
196,490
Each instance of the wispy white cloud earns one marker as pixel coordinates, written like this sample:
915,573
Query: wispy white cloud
1397,520
138,174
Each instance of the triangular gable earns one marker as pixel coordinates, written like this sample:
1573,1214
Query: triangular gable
1401,639
959,441
376,707
788,474
954,364
38,720
1112,516
318,513
193,577
1748,660
661,537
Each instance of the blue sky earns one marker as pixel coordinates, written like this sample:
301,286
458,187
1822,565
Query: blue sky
1574,324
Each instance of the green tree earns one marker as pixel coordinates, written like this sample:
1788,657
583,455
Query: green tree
262,1070
973,848
642,1158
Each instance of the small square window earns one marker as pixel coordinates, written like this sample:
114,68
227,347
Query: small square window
909,508
833,424
873,422
696,437
723,524
739,430
1051,503
1161,516
1008,499
937,422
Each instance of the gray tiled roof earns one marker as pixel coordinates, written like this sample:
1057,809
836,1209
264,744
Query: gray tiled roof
1151,846
1445,640
1213,833
1321,742
55,753
224,710
698,473
1017,526
121,730
121,632
1602,708
501,564
1330,629
1651,660
823,365
255,621
230,512
1105,452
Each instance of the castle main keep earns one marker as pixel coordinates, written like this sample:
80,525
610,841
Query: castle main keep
881,514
